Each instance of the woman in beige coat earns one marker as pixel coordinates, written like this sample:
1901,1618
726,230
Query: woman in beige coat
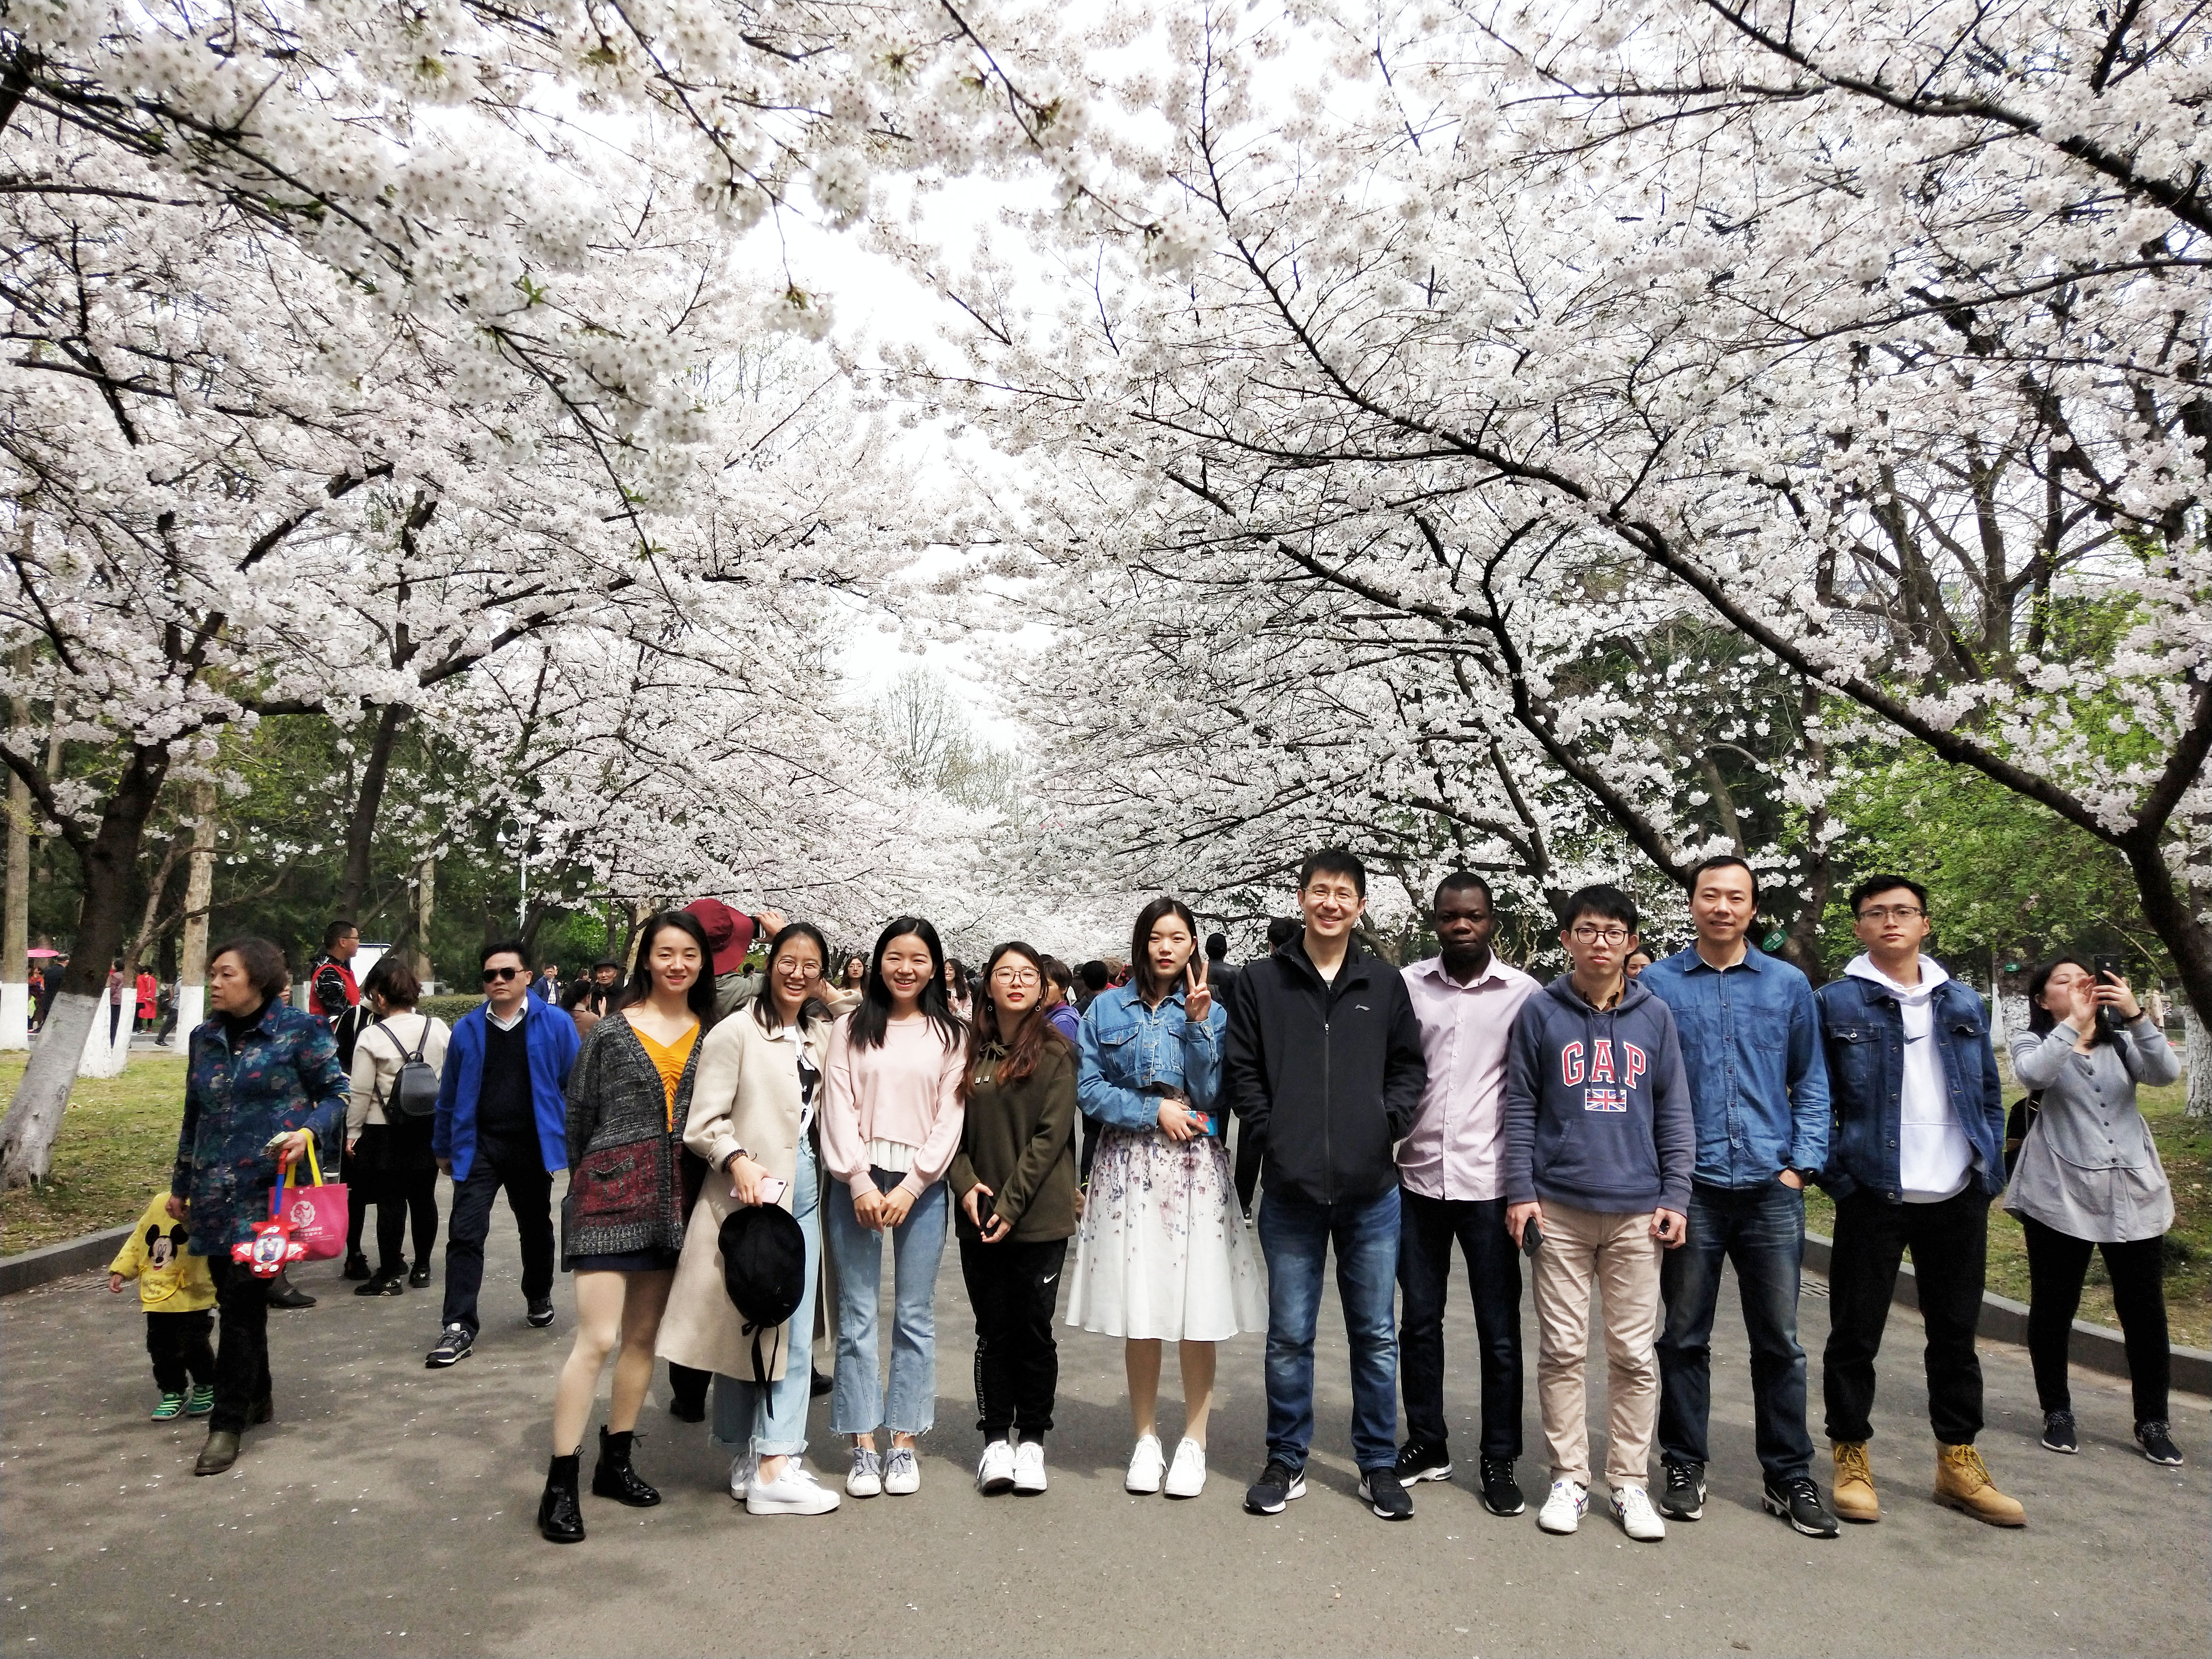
753,1120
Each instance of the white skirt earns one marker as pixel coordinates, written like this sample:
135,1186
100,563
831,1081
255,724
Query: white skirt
1162,1254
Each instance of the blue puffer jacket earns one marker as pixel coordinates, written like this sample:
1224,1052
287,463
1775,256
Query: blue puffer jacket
282,1075
1130,1053
1862,1035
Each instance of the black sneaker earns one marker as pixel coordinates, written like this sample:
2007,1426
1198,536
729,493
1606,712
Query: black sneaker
1278,1483
357,1265
1798,1501
2157,1445
452,1348
1418,1460
817,1383
1382,1490
1685,1497
382,1285
2058,1433
540,1315
419,1275
1501,1492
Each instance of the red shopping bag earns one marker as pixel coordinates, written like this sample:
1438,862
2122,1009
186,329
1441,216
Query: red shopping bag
315,1215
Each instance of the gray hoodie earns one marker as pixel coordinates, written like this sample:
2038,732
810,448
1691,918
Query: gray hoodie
1597,1110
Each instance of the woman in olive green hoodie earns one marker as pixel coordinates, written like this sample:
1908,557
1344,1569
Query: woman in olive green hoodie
1015,1178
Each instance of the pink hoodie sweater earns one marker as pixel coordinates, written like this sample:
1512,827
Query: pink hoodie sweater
907,1090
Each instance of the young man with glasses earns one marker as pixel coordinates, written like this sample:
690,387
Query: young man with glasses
1451,1177
502,1122
1599,1147
1751,1048
1322,1064
1917,1153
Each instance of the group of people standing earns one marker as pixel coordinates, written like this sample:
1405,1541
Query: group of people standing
1625,1135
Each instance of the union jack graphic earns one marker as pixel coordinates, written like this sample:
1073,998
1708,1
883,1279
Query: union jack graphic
1605,1100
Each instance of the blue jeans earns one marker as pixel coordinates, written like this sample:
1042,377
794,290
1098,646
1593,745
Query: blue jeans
856,1405
1762,1230
771,1419
1295,1234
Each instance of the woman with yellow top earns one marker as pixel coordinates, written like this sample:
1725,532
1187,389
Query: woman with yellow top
622,1223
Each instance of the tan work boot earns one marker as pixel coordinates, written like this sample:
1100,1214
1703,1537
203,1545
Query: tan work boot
1962,1482
1855,1498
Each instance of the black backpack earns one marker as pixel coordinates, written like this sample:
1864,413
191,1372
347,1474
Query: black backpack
763,1270
415,1090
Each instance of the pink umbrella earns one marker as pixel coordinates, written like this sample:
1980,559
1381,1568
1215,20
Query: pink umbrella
39,950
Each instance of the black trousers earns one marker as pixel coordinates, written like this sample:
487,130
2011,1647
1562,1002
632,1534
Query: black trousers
359,1188
241,1359
2056,1263
177,1344
1950,1243
404,1196
1014,1288
520,1171
1427,1229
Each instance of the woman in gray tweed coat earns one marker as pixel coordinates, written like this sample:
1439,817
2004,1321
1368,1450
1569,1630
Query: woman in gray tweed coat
622,1223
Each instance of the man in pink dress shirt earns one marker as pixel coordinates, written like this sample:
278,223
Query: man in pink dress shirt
1453,1188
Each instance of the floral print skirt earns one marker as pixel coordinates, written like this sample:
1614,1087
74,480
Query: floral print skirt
1162,1253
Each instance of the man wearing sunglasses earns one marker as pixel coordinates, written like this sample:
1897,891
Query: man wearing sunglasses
501,1123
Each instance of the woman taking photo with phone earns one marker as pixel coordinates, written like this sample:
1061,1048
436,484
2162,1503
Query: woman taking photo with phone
1161,1254
2089,1178
753,1120
1014,1179
622,1223
890,1123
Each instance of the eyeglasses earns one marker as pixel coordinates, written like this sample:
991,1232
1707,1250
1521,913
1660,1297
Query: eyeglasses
799,966
1015,976
491,974
1587,934
1885,912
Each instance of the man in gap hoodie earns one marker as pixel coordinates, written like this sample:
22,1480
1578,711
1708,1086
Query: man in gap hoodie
1600,1144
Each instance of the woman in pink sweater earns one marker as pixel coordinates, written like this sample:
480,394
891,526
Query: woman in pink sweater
890,1123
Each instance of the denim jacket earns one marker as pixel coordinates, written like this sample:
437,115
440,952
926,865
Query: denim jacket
1130,1055
1863,1031
1751,1045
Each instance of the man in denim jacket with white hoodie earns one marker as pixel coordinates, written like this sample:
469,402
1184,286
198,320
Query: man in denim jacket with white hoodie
1916,1155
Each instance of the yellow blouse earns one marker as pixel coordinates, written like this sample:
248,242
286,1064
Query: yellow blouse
669,1060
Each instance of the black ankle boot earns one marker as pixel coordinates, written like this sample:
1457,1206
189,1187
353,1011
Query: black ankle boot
560,1516
612,1477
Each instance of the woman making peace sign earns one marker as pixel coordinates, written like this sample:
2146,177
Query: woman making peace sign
1161,1254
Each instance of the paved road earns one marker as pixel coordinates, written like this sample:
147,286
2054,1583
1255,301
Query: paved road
389,1510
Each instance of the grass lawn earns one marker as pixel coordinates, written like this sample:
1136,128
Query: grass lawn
2185,1148
116,1143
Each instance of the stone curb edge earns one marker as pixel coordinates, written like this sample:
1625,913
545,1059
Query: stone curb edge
2094,1348
43,1266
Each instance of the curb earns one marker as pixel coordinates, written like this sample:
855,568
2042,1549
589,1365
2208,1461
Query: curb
76,1255
2092,1347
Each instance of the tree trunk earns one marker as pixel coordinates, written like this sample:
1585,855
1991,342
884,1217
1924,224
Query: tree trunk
34,1116
199,899
2198,1053
15,927
426,906
2171,909
361,828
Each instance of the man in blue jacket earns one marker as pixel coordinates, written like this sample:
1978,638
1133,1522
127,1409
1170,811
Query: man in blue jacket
1917,1153
1751,1047
502,1121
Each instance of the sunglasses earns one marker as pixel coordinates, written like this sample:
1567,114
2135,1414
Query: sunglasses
491,974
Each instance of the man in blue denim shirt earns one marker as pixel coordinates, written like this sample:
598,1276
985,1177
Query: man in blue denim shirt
1758,1089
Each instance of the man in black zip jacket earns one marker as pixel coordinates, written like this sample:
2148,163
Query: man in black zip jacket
1323,1064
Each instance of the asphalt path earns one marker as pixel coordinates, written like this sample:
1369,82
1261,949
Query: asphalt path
390,1509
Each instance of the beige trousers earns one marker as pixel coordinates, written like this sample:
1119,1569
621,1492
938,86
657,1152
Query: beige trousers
1617,1254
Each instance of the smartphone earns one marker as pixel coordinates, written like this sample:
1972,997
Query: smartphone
771,1190
1532,1238
2110,970
1203,1123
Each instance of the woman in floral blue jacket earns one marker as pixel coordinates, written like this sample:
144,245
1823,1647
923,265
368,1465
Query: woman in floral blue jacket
261,1073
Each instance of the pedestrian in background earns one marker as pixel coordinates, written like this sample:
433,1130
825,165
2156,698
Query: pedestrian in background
2089,1179
390,1150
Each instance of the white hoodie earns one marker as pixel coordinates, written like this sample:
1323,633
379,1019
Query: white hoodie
1934,1157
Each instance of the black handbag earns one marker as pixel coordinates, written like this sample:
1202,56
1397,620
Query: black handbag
2018,1123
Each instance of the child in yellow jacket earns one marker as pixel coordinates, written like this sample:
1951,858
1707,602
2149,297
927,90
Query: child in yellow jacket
178,1296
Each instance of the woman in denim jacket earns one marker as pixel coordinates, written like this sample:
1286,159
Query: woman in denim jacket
1161,1254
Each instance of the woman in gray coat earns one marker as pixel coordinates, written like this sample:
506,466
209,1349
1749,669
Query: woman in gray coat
2089,1179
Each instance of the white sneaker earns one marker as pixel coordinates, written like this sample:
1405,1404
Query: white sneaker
867,1478
1188,1478
1029,1467
995,1473
795,1492
1563,1511
1146,1464
742,1468
901,1472
1638,1518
